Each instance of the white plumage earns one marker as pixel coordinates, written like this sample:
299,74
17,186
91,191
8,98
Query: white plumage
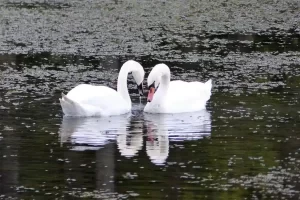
90,100
175,96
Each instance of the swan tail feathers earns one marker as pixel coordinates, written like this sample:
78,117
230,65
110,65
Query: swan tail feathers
70,107
207,89
208,84
68,100
62,95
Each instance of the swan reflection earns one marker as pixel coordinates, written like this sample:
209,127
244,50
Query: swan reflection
92,133
132,141
162,128
157,144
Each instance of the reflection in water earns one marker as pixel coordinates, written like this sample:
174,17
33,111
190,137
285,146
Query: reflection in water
254,153
92,133
157,144
174,127
130,143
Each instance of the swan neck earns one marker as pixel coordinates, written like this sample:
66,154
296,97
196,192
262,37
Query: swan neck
165,80
122,84
164,85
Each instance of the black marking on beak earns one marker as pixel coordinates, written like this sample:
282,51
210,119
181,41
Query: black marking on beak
151,89
140,89
151,86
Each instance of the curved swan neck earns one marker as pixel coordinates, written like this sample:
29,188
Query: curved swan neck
122,84
165,79
122,88
165,76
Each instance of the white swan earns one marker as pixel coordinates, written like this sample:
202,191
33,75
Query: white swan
89,100
167,96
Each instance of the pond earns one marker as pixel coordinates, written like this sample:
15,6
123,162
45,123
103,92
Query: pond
244,145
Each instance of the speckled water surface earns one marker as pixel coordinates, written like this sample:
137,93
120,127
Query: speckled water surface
245,145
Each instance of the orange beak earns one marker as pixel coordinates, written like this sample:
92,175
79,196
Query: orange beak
151,94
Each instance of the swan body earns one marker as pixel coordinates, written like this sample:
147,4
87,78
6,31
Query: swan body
175,96
90,100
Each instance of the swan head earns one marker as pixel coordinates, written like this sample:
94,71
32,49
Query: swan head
137,71
155,78
138,76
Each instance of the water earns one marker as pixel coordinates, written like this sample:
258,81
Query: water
245,145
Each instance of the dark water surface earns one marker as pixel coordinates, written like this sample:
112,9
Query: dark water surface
245,145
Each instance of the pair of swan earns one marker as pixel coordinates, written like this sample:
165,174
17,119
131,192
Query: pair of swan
164,96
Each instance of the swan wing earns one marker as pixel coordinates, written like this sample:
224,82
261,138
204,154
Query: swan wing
187,96
183,90
98,100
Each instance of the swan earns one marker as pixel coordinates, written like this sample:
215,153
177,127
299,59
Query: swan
178,96
90,100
